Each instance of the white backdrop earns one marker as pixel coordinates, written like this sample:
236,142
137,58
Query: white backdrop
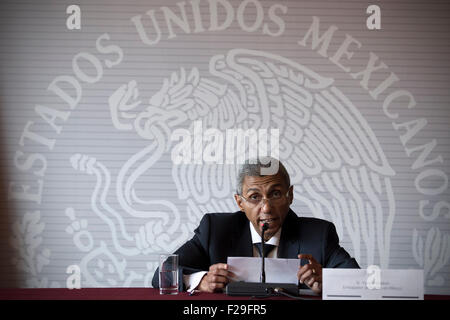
87,118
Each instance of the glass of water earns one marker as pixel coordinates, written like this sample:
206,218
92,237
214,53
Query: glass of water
168,274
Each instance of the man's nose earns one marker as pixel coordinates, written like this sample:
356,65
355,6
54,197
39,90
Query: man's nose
265,205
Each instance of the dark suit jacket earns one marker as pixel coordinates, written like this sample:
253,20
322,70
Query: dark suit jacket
222,235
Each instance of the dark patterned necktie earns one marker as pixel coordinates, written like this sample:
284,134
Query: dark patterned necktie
267,248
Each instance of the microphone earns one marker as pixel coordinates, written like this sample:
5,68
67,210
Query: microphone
264,227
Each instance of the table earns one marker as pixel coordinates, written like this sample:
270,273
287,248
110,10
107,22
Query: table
132,294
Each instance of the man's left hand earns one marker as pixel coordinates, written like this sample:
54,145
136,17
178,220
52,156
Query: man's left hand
311,273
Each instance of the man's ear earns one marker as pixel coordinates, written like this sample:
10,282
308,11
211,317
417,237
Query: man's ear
238,200
291,194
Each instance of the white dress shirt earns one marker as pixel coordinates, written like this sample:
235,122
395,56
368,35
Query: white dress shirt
274,240
192,281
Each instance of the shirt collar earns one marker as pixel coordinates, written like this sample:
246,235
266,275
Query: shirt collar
256,238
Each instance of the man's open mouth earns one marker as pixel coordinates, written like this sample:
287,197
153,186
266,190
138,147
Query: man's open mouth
266,220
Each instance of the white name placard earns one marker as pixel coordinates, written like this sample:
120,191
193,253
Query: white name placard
372,283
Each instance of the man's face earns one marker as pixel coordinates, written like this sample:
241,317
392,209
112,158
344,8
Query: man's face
273,211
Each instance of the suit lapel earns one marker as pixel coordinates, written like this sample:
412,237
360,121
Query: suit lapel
289,240
241,241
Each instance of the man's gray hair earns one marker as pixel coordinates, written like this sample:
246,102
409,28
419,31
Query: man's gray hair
261,167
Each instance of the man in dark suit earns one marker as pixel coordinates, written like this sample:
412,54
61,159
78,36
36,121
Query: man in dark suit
261,198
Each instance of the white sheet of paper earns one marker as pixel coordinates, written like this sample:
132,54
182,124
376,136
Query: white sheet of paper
346,284
277,270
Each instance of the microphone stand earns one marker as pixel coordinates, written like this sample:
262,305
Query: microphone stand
265,226
261,289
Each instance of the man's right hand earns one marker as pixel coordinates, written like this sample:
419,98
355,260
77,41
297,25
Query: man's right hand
216,279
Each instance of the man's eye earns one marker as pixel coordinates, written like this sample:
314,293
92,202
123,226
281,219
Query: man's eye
255,197
276,194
